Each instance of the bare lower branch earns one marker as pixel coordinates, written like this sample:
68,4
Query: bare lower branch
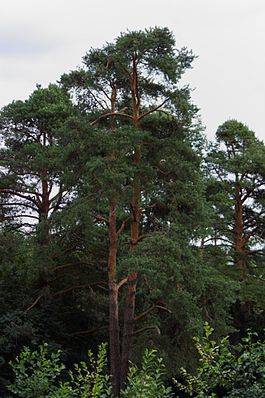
110,114
26,197
153,109
71,288
121,229
59,267
24,216
156,328
122,282
159,307
33,304
89,331
101,218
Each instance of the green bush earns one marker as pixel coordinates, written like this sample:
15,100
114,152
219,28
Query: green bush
224,371
40,374
147,381
227,371
37,373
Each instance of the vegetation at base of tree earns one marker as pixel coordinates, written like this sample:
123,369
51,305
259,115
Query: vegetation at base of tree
119,222
42,374
224,370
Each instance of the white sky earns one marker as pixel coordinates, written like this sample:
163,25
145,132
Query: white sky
40,40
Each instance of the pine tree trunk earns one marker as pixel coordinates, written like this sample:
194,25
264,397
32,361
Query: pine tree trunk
239,240
127,338
114,337
114,332
44,207
241,253
128,326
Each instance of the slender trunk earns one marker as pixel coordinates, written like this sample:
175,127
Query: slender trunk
43,239
129,309
44,203
135,205
44,207
45,196
128,326
202,247
239,240
127,338
241,252
114,337
114,331
114,328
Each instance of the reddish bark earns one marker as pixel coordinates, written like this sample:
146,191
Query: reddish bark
127,338
240,247
114,337
128,326
114,330
119,370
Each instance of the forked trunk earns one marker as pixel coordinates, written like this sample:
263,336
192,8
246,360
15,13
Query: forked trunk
127,338
128,326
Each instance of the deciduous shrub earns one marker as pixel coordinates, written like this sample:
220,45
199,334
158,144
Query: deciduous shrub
227,371
41,374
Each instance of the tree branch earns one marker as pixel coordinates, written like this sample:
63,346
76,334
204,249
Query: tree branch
159,307
121,229
156,328
59,267
25,216
33,304
122,282
84,332
110,114
101,218
84,286
11,192
153,109
19,204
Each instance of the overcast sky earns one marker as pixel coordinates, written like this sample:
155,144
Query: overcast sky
41,39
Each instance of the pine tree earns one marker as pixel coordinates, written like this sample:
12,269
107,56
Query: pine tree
236,190
30,157
137,122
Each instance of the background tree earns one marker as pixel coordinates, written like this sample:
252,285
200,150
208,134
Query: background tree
236,189
30,156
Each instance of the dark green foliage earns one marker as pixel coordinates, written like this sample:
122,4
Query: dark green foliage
227,371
